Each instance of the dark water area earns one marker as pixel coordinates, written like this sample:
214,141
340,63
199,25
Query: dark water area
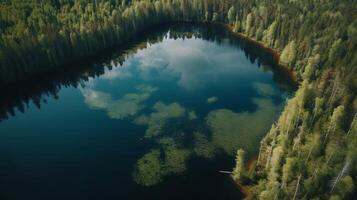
154,119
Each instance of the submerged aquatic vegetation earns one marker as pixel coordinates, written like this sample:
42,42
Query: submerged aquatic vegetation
148,169
203,147
175,156
127,106
157,119
231,130
158,163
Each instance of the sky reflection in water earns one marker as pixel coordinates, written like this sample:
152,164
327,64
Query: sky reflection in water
143,128
192,67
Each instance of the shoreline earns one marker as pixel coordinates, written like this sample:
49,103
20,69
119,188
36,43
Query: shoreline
87,59
251,163
275,54
250,166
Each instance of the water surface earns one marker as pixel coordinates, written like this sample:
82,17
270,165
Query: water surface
155,120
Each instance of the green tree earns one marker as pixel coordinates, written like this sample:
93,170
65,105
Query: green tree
215,17
239,169
289,54
346,187
335,120
269,35
232,15
335,51
288,171
249,23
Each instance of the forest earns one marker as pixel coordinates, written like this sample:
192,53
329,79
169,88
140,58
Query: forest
310,152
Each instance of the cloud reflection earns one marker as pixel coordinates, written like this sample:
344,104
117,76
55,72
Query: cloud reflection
195,63
127,106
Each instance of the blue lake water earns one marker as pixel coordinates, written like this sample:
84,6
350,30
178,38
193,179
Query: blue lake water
154,120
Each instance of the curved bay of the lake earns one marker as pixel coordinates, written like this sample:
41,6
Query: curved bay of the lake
156,120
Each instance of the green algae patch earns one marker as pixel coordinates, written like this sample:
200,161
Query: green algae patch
130,104
203,147
165,111
154,166
231,131
175,156
148,169
127,106
158,119
211,100
222,129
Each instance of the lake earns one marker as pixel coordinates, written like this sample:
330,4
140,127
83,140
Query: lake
154,119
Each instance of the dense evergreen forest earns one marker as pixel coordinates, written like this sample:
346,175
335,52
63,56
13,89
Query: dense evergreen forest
309,153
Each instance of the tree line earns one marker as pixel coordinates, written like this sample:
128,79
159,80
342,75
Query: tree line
309,153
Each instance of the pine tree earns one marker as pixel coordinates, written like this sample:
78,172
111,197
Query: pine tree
335,51
239,169
335,120
288,171
249,23
289,54
215,17
269,35
231,15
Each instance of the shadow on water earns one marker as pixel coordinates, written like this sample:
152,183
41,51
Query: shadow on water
17,97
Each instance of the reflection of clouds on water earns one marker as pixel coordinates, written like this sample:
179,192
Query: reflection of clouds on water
127,106
96,99
264,89
211,100
117,73
192,115
194,64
